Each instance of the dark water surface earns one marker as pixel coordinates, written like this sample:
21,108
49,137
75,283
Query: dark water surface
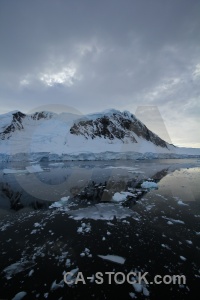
157,232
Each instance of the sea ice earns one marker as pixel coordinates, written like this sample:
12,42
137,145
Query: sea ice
62,202
19,296
149,185
34,169
122,196
14,171
113,258
182,258
101,211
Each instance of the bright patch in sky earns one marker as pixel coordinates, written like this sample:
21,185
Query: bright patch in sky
65,77
196,72
24,82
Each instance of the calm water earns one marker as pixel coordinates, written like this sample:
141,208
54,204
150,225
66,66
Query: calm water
158,232
70,178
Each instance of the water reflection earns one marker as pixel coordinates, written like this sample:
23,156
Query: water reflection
83,182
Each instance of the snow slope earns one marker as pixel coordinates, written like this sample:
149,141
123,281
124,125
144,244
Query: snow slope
107,135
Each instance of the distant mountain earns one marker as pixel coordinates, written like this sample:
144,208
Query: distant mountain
95,136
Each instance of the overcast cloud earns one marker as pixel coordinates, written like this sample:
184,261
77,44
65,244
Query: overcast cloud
94,55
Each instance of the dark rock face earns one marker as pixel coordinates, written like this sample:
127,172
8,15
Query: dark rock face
113,125
117,125
41,115
101,127
16,124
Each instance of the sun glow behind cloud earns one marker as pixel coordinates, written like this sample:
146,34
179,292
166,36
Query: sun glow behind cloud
66,76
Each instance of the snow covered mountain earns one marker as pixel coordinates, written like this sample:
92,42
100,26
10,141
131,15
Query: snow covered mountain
106,135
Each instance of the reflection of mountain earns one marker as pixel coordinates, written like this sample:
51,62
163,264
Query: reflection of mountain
15,198
159,175
103,192
97,184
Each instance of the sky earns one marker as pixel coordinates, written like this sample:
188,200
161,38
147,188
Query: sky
92,55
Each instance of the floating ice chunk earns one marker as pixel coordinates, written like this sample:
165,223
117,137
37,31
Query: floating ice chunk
118,197
17,268
122,196
37,224
62,202
19,296
113,258
136,172
101,212
85,228
57,164
171,221
34,169
86,252
46,295
183,258
145,292
189,242
122,167
137,287
166,246
132,295
71,276
14,171
80,230
56,285
31,272
149,185
5,226
180,202
68,262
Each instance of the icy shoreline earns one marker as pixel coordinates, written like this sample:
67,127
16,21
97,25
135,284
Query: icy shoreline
90,156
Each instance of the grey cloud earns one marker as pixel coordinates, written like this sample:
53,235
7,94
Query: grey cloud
124,52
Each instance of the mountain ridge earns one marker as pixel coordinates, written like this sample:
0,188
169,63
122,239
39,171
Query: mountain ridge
110,131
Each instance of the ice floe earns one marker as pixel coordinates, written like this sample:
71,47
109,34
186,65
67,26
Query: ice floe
19,295
183,258
104,211
62,202
34,169
56,285
14,171
84,228
172,221
114,258
149,185
29,169
17,268
122,196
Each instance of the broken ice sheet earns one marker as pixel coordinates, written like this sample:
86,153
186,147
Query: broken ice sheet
100,211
